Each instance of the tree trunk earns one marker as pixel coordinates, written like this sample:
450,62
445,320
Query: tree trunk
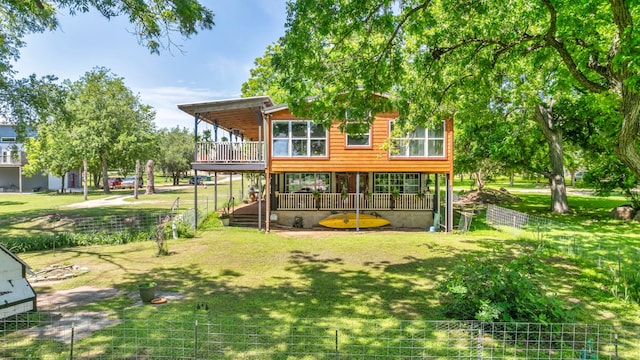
105,176
511,178
137,180
64,177
479,180
151,189
85,187
629,138
553,135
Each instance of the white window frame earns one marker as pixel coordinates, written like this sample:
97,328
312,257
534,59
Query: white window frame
404,183
428,139
348,136
290,139
308,187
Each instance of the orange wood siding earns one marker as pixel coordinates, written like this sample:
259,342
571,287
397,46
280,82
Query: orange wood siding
348,159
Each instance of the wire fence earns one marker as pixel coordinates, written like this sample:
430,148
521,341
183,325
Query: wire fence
595,248
619,261
118,223
203,336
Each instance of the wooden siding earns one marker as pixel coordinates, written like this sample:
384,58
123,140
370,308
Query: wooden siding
365,159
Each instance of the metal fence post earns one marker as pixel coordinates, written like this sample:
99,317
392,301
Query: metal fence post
73,325
195,342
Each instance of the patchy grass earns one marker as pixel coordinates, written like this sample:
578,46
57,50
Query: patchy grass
373,274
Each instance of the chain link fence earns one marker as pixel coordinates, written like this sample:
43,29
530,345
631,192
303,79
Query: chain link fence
201,335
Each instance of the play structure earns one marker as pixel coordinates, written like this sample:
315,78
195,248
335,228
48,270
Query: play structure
16,294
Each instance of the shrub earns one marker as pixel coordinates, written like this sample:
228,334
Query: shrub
487,290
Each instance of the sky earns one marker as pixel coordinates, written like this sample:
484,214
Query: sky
211,65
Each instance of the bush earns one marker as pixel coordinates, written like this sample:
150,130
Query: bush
486,290
68,239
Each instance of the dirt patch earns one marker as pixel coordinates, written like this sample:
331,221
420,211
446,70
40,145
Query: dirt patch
73,298
488,196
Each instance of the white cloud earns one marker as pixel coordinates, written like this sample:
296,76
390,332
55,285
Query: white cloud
165,101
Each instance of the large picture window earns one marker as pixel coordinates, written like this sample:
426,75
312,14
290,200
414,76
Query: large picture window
404,183
420,142
307,182
298,139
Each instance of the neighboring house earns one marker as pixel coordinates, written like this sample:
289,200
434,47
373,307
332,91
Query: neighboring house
12,160
312,172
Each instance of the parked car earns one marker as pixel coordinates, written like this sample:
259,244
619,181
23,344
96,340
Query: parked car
114,182
129,182
200,180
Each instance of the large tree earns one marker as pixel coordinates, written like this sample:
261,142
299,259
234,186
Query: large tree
23,101
176,152
430,54
115,127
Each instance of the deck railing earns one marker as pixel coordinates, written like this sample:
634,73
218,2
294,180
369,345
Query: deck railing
336,201
230,152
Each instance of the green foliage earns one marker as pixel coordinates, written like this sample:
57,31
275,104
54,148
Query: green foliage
175,152
69,239
29,100
487,290
623,283
183,229
408,50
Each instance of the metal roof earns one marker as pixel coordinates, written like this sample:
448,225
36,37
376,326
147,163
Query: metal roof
243,114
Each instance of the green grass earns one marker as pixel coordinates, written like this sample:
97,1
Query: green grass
337,276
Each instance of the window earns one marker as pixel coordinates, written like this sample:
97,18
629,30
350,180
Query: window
358,133
404,183
299,139
307,182
8,139
420,142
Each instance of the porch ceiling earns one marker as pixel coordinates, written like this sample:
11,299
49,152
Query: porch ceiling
241,113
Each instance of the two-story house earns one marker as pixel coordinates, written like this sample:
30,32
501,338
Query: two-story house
312,172
12,160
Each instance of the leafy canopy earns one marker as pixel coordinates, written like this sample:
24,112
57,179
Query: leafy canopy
429,55
25,101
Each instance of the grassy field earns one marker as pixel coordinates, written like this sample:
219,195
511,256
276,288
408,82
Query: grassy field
318,274
334,277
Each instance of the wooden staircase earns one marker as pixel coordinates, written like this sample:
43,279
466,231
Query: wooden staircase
246,220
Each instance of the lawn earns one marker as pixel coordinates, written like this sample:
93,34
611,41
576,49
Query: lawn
334,276
292,274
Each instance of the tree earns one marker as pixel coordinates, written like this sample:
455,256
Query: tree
53,150
23,101
429,55
264,79
115,127
176,152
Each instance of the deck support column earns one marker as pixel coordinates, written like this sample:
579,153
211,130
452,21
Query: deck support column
358,201
195,173
267,176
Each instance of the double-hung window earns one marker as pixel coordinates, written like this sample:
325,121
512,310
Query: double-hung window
358,133
420,142
299,138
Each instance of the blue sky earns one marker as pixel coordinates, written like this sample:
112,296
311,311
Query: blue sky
212,65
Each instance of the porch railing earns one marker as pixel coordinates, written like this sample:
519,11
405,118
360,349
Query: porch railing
335,201
230,152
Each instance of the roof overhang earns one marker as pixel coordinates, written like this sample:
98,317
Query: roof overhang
242,114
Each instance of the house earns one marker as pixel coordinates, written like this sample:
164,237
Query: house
311,172
12,160
16,294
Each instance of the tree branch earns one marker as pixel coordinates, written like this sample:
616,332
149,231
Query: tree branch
560,48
